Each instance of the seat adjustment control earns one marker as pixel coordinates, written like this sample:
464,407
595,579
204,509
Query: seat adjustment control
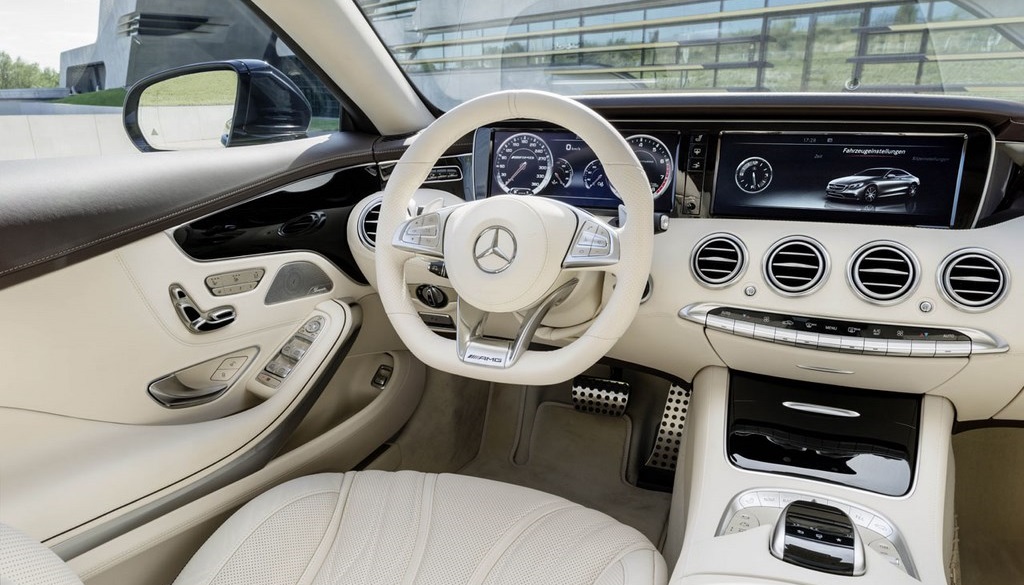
194,318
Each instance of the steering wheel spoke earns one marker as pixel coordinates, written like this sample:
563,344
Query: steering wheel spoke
595,245
475,348
424,234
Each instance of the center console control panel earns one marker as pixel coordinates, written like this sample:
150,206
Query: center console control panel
762,507
854,337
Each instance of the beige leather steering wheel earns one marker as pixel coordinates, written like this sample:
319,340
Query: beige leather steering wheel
515,253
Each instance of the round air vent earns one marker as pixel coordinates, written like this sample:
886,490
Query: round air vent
973,279
302,224
718,260
368,220
796,265
883,272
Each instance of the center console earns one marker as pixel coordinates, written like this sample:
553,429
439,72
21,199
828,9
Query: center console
795,482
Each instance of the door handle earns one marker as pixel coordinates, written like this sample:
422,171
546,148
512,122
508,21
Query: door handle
173,393
194,318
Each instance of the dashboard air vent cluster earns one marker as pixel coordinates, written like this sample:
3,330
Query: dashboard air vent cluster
718,260
883,272
368,221
973,279
796,265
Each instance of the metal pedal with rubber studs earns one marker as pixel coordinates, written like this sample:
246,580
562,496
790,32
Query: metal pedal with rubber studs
670,434
600,395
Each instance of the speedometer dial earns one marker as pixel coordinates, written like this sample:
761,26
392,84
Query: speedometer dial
523,164
656,160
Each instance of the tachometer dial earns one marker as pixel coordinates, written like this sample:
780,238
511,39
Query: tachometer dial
563,173
523,164
753,175
593,175
656,160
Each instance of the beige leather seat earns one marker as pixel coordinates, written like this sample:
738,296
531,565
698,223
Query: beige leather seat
410,528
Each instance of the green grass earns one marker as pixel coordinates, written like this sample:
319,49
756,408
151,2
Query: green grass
323,124
107,97
209,88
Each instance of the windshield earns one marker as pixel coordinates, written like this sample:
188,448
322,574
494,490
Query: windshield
454,50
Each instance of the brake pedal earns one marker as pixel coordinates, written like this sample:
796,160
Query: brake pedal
670,434
600,395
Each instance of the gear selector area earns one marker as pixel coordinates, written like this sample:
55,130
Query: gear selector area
819,537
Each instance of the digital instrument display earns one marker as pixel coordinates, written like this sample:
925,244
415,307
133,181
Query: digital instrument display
559,165
903,179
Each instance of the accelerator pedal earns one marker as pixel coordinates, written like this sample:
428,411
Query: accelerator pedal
600,395
670,434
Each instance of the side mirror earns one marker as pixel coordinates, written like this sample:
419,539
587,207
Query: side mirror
215,105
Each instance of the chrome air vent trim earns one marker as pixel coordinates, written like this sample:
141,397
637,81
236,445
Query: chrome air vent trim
368,220
718,260
796,265
973,279
883,272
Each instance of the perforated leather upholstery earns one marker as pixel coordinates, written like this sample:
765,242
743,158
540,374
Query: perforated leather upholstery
24,561
410,528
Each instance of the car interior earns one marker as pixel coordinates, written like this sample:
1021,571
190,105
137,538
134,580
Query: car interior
609,337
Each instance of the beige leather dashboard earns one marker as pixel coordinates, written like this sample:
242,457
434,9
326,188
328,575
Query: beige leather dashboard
969,354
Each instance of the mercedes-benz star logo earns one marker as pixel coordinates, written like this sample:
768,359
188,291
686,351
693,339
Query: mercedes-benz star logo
494,250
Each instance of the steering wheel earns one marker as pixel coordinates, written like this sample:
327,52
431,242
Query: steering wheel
515,253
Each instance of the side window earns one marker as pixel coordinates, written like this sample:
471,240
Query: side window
63,80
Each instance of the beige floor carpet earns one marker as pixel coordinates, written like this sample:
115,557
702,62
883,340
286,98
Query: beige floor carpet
578,456
990,506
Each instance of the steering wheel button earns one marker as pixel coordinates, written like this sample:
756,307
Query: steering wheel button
581,251
880,526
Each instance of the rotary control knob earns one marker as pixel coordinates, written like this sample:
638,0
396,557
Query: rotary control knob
432,296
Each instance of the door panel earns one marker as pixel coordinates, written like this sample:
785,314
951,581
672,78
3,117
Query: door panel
88,327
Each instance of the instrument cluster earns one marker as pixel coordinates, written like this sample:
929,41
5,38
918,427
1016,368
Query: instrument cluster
559,165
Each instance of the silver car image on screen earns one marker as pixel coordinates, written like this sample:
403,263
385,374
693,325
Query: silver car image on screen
871,184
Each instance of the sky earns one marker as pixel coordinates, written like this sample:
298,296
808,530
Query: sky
38,30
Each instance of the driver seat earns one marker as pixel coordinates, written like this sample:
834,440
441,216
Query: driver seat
404,528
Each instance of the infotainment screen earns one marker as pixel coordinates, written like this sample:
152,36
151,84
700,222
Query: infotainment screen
904,179
559,165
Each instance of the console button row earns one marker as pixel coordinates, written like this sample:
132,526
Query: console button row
867,340
751,505
781,499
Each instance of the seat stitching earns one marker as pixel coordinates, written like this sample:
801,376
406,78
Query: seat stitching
378,522
623,554
331,534
265,519
423,530
503,544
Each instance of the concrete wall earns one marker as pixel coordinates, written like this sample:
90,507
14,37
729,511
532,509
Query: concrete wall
48,136
110,48
33,94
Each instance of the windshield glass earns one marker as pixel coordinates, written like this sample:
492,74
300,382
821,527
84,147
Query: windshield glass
454,50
